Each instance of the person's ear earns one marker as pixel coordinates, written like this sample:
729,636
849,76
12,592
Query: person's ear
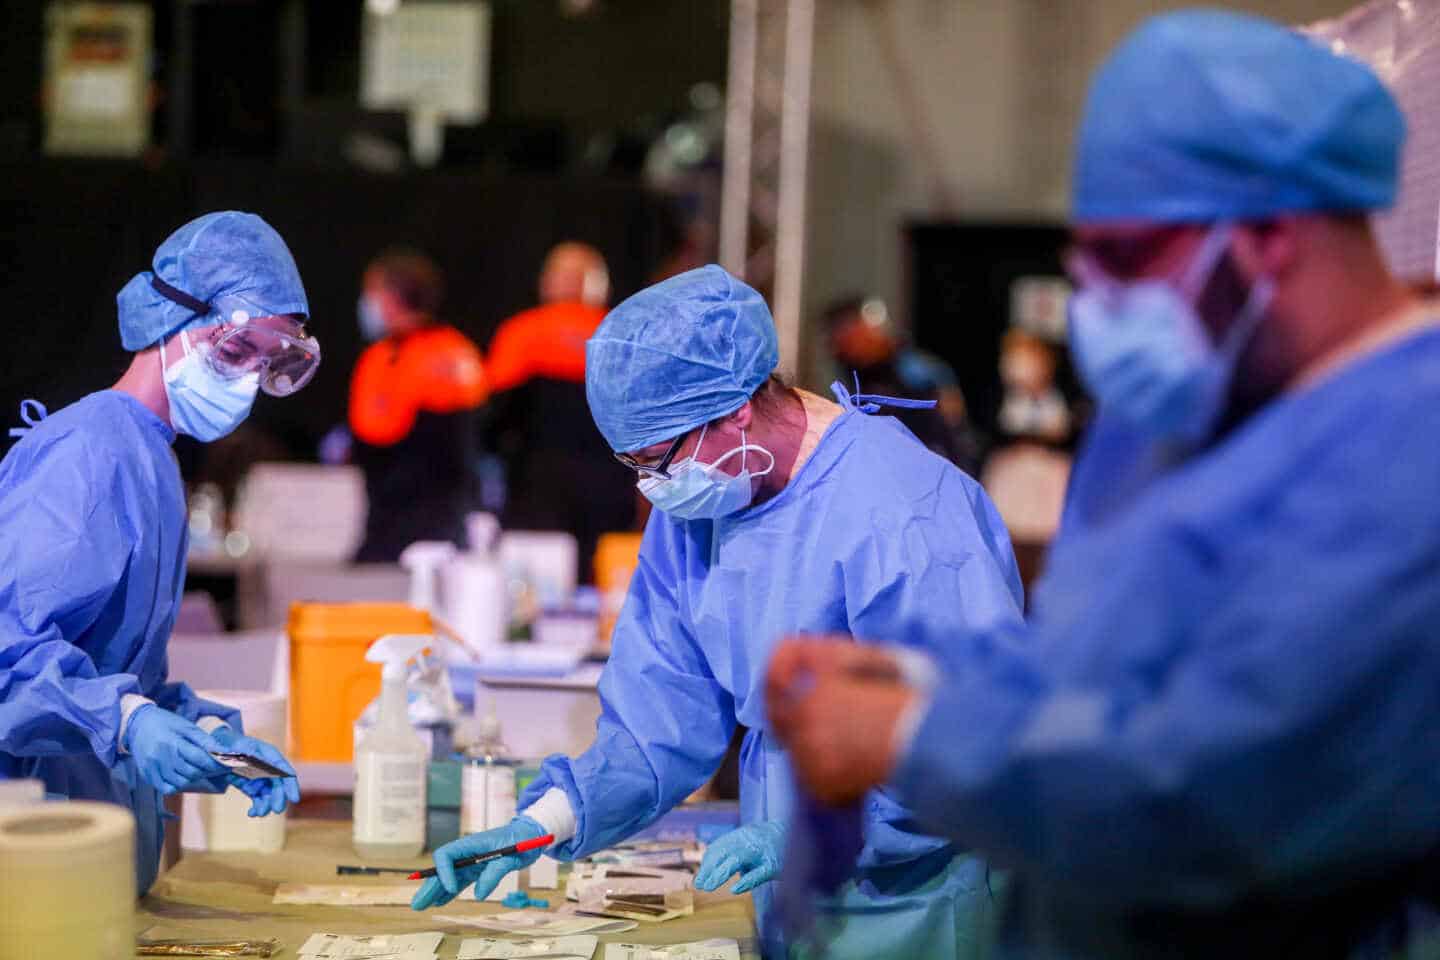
742,419
1267,249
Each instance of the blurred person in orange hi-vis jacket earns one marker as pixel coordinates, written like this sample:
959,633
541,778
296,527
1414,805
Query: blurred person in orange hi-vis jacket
414,405
560,473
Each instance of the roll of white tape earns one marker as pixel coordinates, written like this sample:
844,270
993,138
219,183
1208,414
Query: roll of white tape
69,872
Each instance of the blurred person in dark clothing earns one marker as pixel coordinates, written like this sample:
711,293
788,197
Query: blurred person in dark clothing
561,474
864,343
414,402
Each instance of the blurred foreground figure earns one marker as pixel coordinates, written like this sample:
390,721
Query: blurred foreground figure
93,535
775,511
560,475
865,345
413,410
1218,735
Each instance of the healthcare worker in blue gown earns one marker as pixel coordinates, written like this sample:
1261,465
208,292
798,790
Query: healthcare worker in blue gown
1220,734
777,511
93,534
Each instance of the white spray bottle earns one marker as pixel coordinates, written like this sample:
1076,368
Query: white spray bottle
391,761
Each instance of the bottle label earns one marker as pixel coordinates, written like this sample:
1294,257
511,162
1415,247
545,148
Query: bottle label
389,798
487,796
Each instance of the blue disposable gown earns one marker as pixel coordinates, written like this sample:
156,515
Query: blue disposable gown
875,536
92,566
1222,724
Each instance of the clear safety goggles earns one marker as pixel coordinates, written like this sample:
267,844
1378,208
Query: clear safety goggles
237,338
285,362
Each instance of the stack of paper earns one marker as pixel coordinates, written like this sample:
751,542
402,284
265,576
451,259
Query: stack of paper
698,950
390,946
560,948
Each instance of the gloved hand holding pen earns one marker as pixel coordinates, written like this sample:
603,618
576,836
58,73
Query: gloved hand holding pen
448,882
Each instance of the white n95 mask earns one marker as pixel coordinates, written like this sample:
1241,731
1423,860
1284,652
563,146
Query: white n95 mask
702,491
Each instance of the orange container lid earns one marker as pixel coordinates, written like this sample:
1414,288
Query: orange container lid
349,622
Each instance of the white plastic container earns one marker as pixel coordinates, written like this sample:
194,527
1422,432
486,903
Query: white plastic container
391,763
222,822
487,790
476,591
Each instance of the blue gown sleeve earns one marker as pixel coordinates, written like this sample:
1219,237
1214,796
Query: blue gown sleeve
665,722
63,552
1186,730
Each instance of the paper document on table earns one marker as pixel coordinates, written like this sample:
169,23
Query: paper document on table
560,948
718,949
536,923
337,946
345,895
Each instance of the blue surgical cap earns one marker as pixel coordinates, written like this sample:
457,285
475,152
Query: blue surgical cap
220,254
1204,115
677,355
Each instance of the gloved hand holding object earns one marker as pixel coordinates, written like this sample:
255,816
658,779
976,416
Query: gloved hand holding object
170,752
270,794
441,889
754,851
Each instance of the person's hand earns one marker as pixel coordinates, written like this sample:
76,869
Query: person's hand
170,752
755,851
439,890
835,706
799,659
269,794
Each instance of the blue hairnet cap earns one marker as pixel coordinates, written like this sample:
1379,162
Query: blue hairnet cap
1204,115
677,355
220,254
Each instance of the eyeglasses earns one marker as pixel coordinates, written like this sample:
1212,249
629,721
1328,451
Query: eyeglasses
661,469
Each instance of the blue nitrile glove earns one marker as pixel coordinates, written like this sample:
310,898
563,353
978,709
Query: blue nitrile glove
170,752
439,890
269,795
753,851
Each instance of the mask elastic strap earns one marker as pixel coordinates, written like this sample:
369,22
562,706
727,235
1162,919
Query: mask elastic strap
1197,274
695,454
743,450
1262,291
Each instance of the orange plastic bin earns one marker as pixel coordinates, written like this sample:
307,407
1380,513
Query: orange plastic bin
330,681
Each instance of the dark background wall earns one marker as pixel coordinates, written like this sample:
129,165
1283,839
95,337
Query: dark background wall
266,109
79,231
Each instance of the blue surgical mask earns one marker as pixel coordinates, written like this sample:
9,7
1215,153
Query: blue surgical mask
1144,352
372,321
202,404
702,491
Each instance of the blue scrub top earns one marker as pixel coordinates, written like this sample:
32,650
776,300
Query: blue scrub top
874,536
1228,691
92,567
